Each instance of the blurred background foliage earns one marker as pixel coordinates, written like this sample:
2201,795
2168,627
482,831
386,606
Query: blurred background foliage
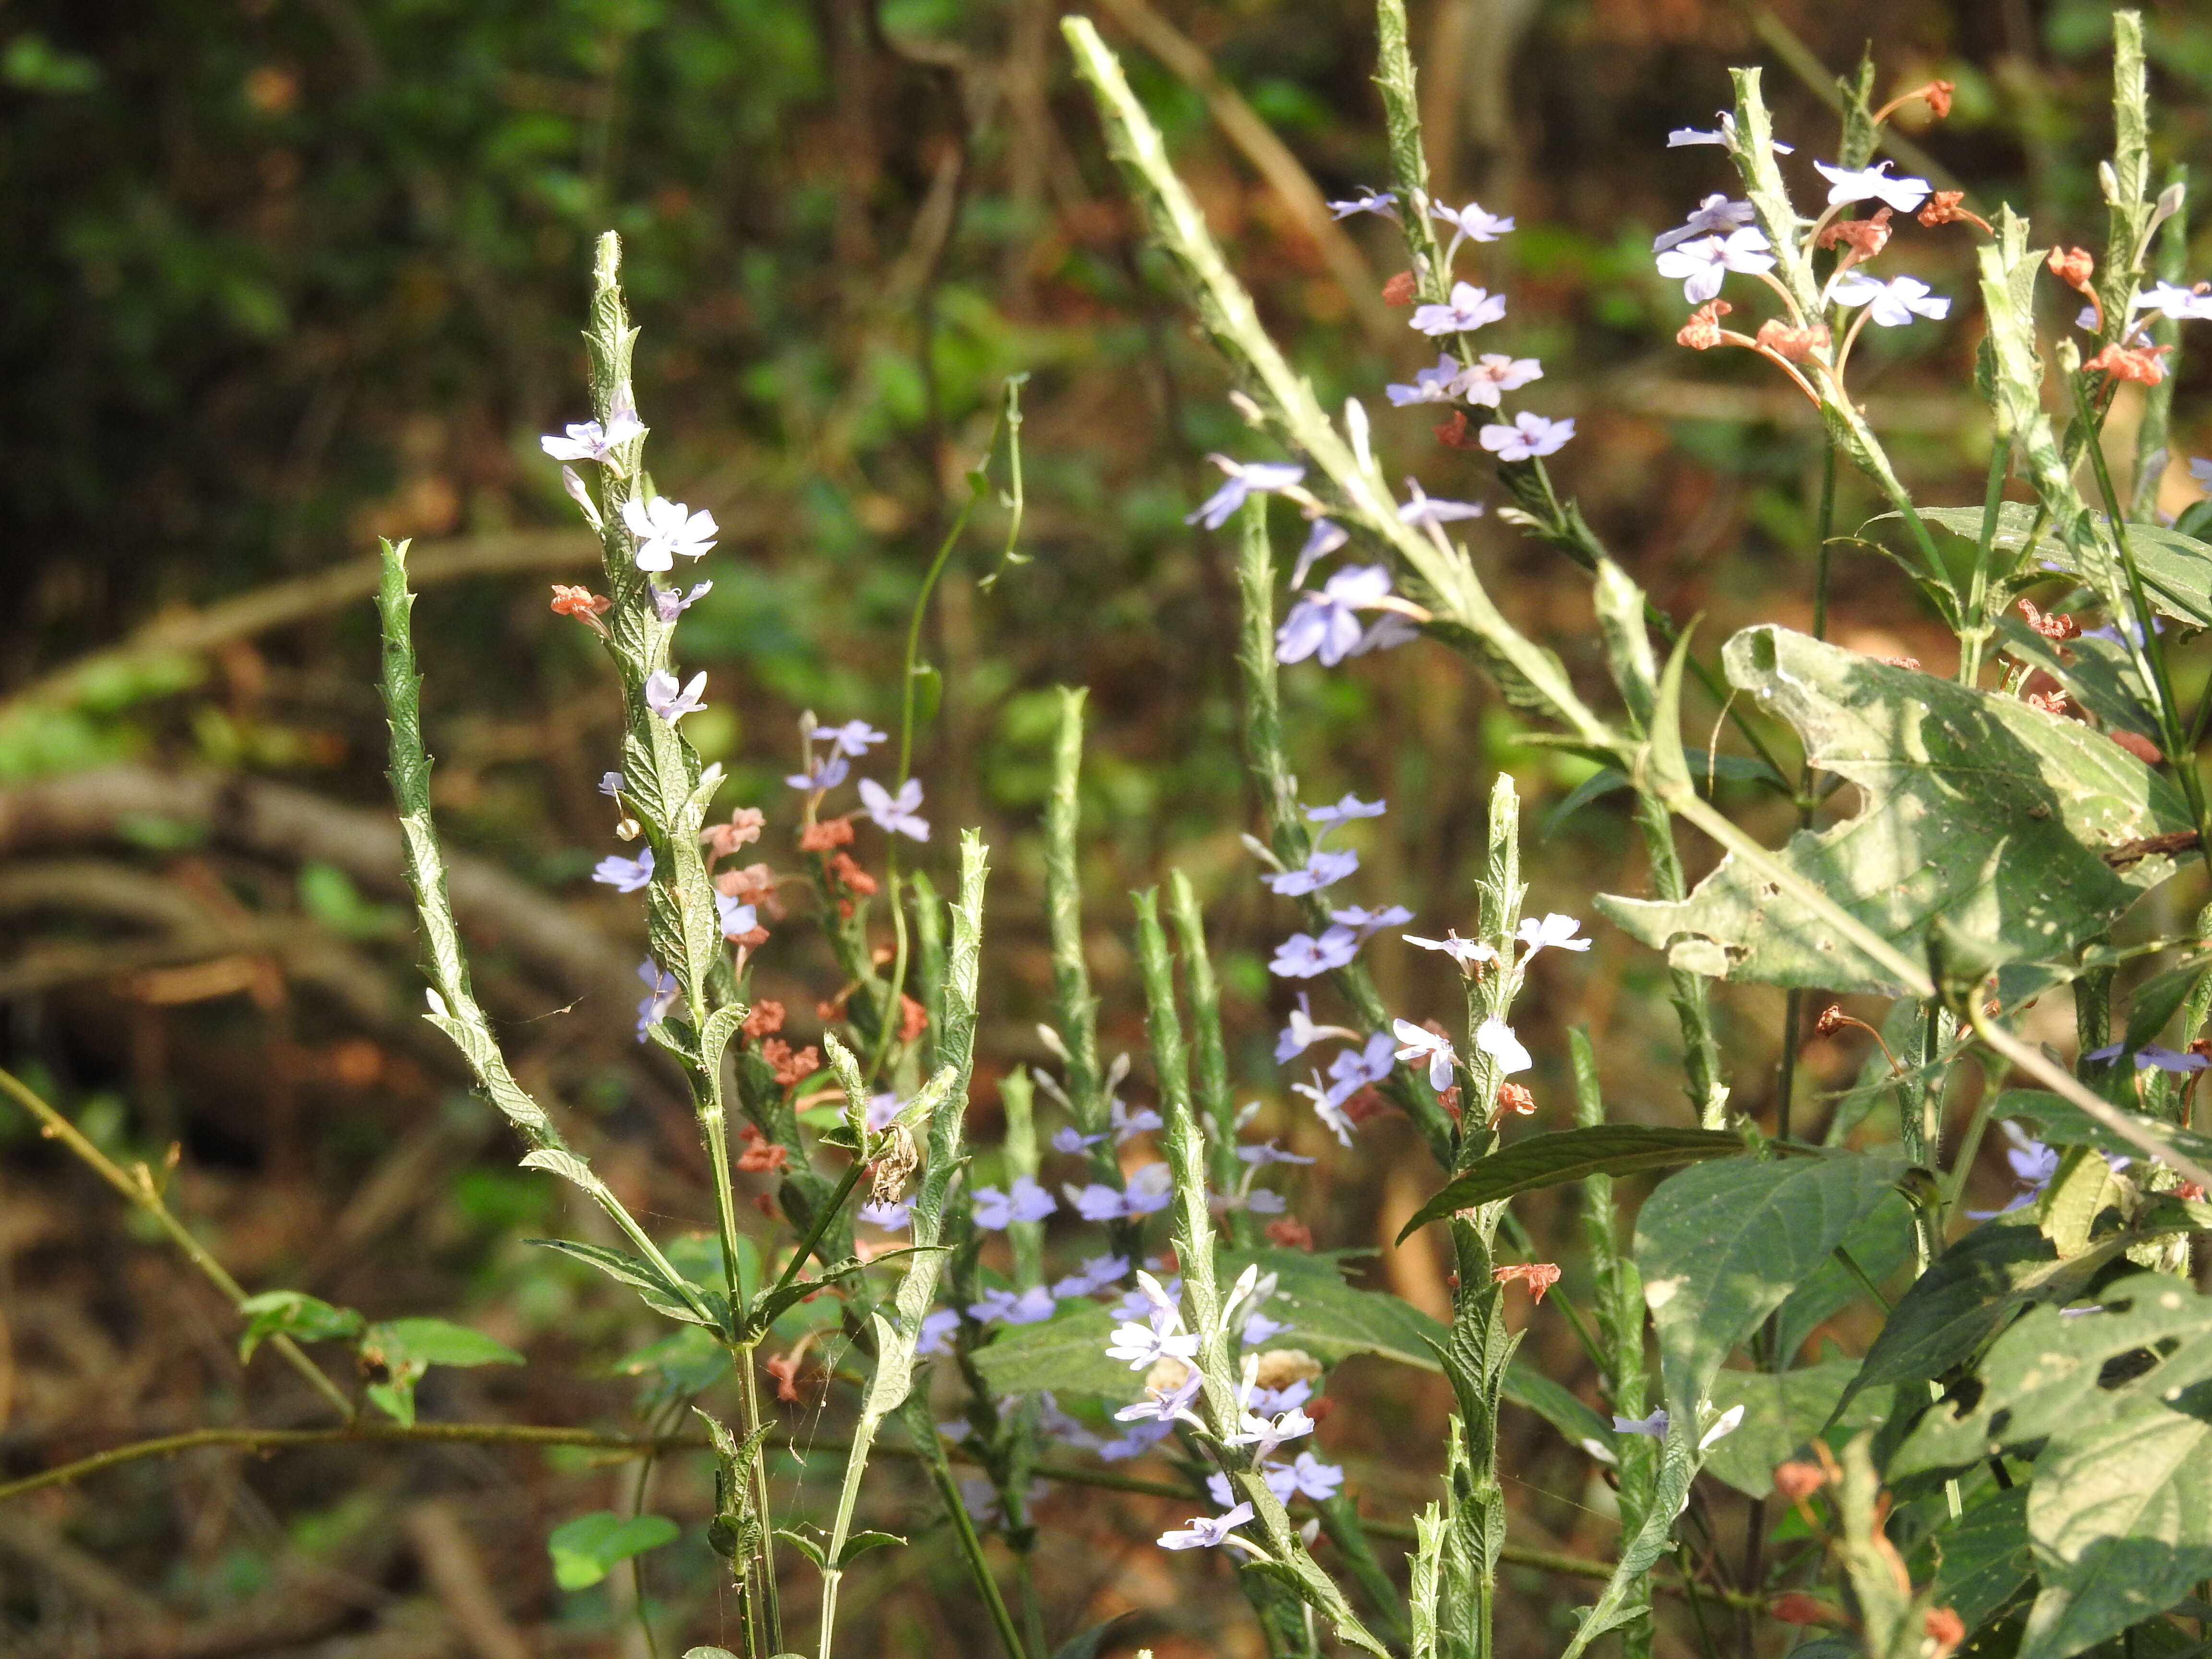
284,276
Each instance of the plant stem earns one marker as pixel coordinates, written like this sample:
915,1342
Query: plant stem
137,1187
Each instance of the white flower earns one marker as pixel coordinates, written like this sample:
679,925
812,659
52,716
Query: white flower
664,528
1654,1426
1871,184
1530,436
1327,1107
1465,951
662,697
1470,308
1495,1038
1419,1043
1425,510
894,813
1145,1343
1431,386
1204,1533
1723,1426
1381,202
589,441
1494,374
1323,539
1473,223
1723,135
1553,930
1700,265
1892,304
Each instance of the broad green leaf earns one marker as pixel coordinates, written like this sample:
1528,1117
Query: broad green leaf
2097,673
861,1542
2068,1209
1784,1413
685,1362
1546,1160
807,1546
2062,1123
1705,767
2045,1375
436,1342
1721,1247
1880,1244
586,1549
2158,1000
641,1276
294,1314
2177,569
1332,1320
1981,1562
1977,808
1066,1354
1969,1294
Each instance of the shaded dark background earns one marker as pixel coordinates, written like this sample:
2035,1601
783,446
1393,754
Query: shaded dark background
281,275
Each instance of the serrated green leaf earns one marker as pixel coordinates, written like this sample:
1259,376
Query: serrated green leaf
2062,1123
1784,1413
1721,1246
2177,568
660,1293
1981,1562
584,1550
296,1314
1547,1160
1977,808
2083,1189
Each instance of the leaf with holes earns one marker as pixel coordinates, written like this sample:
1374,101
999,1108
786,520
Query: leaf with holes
1977,808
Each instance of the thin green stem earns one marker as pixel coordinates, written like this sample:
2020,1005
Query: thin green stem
138,1189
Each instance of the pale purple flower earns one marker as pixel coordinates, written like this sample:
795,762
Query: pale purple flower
891,1218
1095,1202
664,528
2182,304
1654,1426
1244,478
1205,1532
1260,1201
1426,512
2200,472
1127,1125
1267,1152
661,990
1439,384
1141,1438
1473,223
823,772
1554,931
1700,265
1496,372
1321,869
1280,1481
1264,1434
1313,1479
1892,304
1150,1190
574,487
2033,1164
1716,215
1419,1043
1530,436
1259,1328
1495,1038
936,1329
1303,957
590,441
883,1109
2151,1055
624,875
670,603
895,814
1150,1298
1097,1273
1165,1405
1346,809
1327,1108
1465,951
1032,1307
1301,1033
733,918
995,1211
1470,307
1272,1400
1381,202
1323,539
1725,135
666,700
1326,624
1057,1425
853,737
1069,1138
1873,184
1366,923
611,783
1353,1069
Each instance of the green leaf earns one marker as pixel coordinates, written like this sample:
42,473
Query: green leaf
2157,1001
2177,568
685,1362
1784,1413
1968,1295
806,1546
660,1294
861,1542
294,1314
1332,1320
1547,1160
2099,674
2062,1123
1981,1561
1705,768
1721,1247
589,1547
1065,1353
1880,1244
2068,1209
1977,808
